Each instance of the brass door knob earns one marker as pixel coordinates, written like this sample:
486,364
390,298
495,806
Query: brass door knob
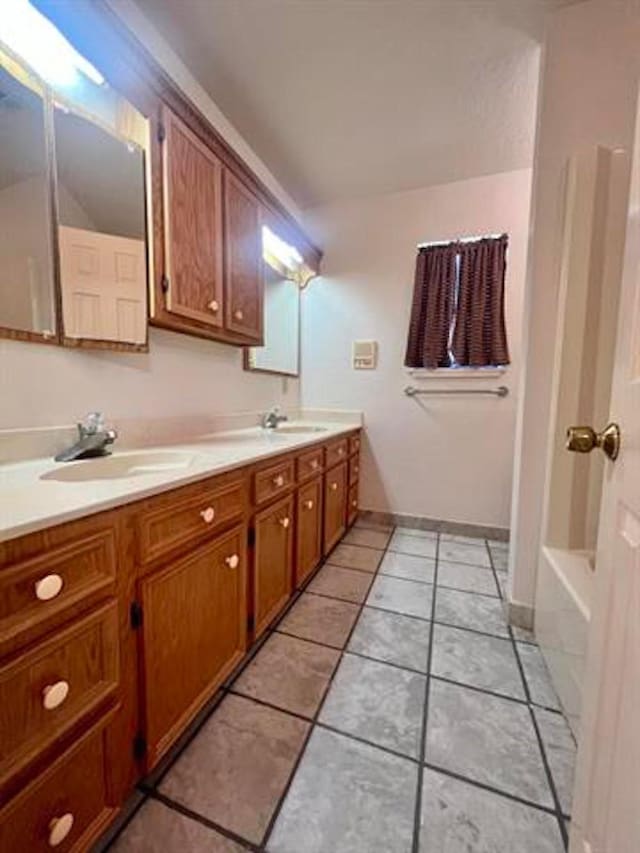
582,439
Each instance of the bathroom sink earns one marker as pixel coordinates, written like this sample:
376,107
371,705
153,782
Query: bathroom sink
121,466
298,429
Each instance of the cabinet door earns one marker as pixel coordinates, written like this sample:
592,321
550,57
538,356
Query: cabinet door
273,562
243,261
309,529
192,225
193,634
335,500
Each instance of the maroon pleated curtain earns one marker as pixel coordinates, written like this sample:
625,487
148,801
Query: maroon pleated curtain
479,335
432,309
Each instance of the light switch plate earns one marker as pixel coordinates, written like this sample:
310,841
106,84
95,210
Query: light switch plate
365,355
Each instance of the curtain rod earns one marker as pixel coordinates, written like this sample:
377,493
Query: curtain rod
460,240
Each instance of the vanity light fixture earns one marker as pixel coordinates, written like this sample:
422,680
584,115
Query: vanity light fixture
29,34
287,255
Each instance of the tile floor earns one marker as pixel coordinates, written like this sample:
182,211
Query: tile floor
391,710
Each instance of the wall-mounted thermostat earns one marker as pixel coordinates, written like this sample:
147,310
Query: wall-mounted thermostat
365,355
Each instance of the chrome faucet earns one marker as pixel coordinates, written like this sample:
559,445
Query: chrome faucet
272,418
93,439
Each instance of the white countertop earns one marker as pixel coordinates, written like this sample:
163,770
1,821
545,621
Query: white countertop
41,493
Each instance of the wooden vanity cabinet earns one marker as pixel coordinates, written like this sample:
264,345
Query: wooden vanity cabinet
193,634
335,500
308,529
244,285
272,562
193,220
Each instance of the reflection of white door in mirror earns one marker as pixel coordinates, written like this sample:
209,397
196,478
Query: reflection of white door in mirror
103,286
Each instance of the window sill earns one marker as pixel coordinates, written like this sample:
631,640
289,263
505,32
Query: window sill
456,372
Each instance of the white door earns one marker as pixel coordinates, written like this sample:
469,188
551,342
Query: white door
606,814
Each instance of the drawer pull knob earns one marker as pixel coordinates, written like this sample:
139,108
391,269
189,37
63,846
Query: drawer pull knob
53,695
334,487
48,587
208,514
59,828
308,504
341,451
356,468
285,522
214,306
278,481
239,314
354,504
233,561
314,464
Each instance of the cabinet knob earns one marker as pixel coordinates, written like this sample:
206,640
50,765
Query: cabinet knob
354,503
233,561
208,514
53,695
356,468
59,828
239,314
285,522
314,464
278,481
48,587
214,305
308,504
333,487
341,451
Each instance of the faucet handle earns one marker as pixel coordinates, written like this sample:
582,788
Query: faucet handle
91,424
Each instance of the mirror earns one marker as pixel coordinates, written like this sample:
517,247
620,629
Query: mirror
102,234
280,352
27,291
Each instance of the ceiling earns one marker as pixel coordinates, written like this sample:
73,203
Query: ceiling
345,98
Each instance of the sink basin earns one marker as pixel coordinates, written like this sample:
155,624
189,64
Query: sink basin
298,429
121,466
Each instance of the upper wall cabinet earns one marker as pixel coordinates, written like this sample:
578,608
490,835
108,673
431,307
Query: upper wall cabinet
192,174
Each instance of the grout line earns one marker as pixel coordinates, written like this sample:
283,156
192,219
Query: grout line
486,787
294,769
476,689
360,545
352,568
443,585
335,597
493,570
375,745
205,821
308,639
265,704
417,815
105,842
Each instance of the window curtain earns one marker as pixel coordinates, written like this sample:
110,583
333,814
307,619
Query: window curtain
479,337
432,309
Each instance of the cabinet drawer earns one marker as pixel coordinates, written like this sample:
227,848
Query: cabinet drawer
354,444
69,797
272,481
34,591
46,691
352,505
309,464
354,469
169,524
336,452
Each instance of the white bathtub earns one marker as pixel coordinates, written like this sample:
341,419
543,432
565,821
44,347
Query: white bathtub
563,610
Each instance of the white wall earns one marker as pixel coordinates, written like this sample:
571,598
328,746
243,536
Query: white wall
44,385
443,458
588,96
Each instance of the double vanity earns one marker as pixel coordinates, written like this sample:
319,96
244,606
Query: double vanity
131,586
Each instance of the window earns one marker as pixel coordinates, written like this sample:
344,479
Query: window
457,315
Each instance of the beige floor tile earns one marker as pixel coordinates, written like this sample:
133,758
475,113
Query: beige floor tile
341,583
325,620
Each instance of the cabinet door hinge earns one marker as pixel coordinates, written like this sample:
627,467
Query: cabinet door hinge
139,746
162,132
135,614
164,284
252,537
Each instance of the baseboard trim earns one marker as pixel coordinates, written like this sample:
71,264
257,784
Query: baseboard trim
520,615
399,519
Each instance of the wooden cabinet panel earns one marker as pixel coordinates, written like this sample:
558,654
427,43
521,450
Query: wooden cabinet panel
192,225
243,260
38,590
167,523
354,469
46,691
193,634
308,529
73,786
273,480
354,443
273,557
336,452
335,498
309,464
352,504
